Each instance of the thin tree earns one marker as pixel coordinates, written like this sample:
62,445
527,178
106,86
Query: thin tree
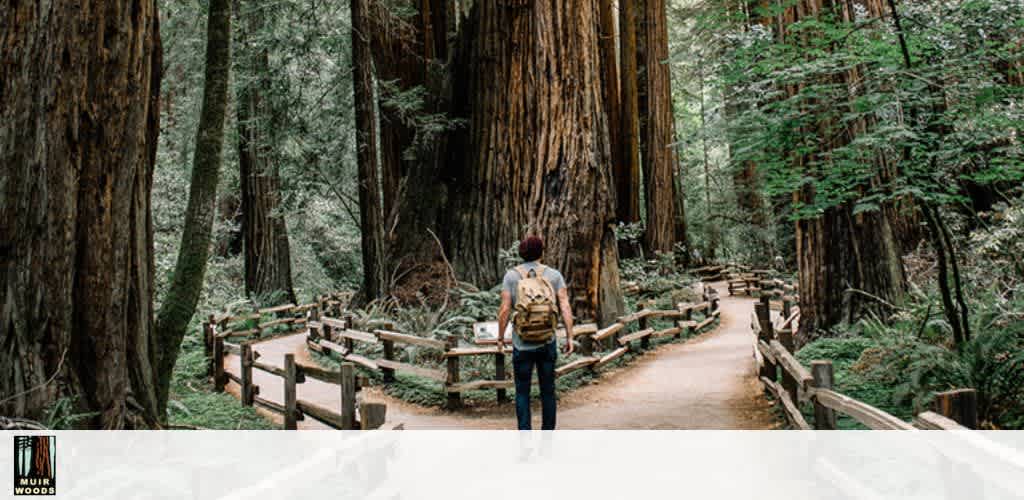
370,210
656,129
186,285
627,168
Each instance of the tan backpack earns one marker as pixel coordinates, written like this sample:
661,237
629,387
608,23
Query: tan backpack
535,317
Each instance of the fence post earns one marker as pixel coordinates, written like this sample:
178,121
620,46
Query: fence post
646,341
217,362
787,307
246,360
454,398
586,345
764,319
499,374
259,317
389,354
788,382
290,410
348,396
372,415
824,417
350,345
208,343
960,405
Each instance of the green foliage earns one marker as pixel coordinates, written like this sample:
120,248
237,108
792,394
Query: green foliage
194,403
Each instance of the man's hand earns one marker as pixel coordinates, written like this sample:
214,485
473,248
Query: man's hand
568,345
503,312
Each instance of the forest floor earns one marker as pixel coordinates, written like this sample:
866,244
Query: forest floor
707,382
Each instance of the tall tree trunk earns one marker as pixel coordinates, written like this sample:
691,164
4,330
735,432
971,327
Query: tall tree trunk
656,128
399,46
77,153
179,304
538,149
268,268
627,168
839,250
370,210
714,235
610,80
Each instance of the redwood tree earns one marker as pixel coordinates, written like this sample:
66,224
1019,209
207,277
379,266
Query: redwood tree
538,148
79,118
663,228
847,260
370,210
627,168
268,269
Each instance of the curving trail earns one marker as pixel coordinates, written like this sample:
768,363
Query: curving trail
707,382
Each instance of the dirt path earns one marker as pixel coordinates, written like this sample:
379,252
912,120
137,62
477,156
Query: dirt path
707,382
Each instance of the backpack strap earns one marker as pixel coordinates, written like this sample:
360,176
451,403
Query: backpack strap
540,270
521,270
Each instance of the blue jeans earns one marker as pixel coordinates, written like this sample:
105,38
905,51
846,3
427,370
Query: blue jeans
522,366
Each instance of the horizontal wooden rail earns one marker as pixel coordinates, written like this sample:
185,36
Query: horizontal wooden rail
626,339
480,384
474,351
611,356
862,412
355,335
796,419
788,362
608,331
321,414
930,420
410,339
576,365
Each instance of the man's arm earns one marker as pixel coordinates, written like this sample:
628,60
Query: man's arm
563,303
503,311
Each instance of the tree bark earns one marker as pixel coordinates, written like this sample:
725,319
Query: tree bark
627,168
78,153
610,80
538,149
657,129
370,210
268,269
841,250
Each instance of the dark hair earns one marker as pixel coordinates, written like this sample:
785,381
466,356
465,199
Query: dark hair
531,248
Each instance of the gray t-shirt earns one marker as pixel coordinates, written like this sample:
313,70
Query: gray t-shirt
509,285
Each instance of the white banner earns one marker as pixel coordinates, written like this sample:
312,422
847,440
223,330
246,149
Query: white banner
272,465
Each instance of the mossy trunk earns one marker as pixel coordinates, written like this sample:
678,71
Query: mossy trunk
186,285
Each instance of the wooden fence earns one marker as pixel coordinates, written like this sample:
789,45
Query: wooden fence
339,337
332,332
791,383
220,331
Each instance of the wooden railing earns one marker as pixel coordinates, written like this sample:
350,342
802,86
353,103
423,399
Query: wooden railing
332,332
790,383
600,346
293,409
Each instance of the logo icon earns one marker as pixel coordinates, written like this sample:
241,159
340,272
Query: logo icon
35,463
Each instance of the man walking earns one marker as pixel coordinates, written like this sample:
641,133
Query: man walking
529,293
